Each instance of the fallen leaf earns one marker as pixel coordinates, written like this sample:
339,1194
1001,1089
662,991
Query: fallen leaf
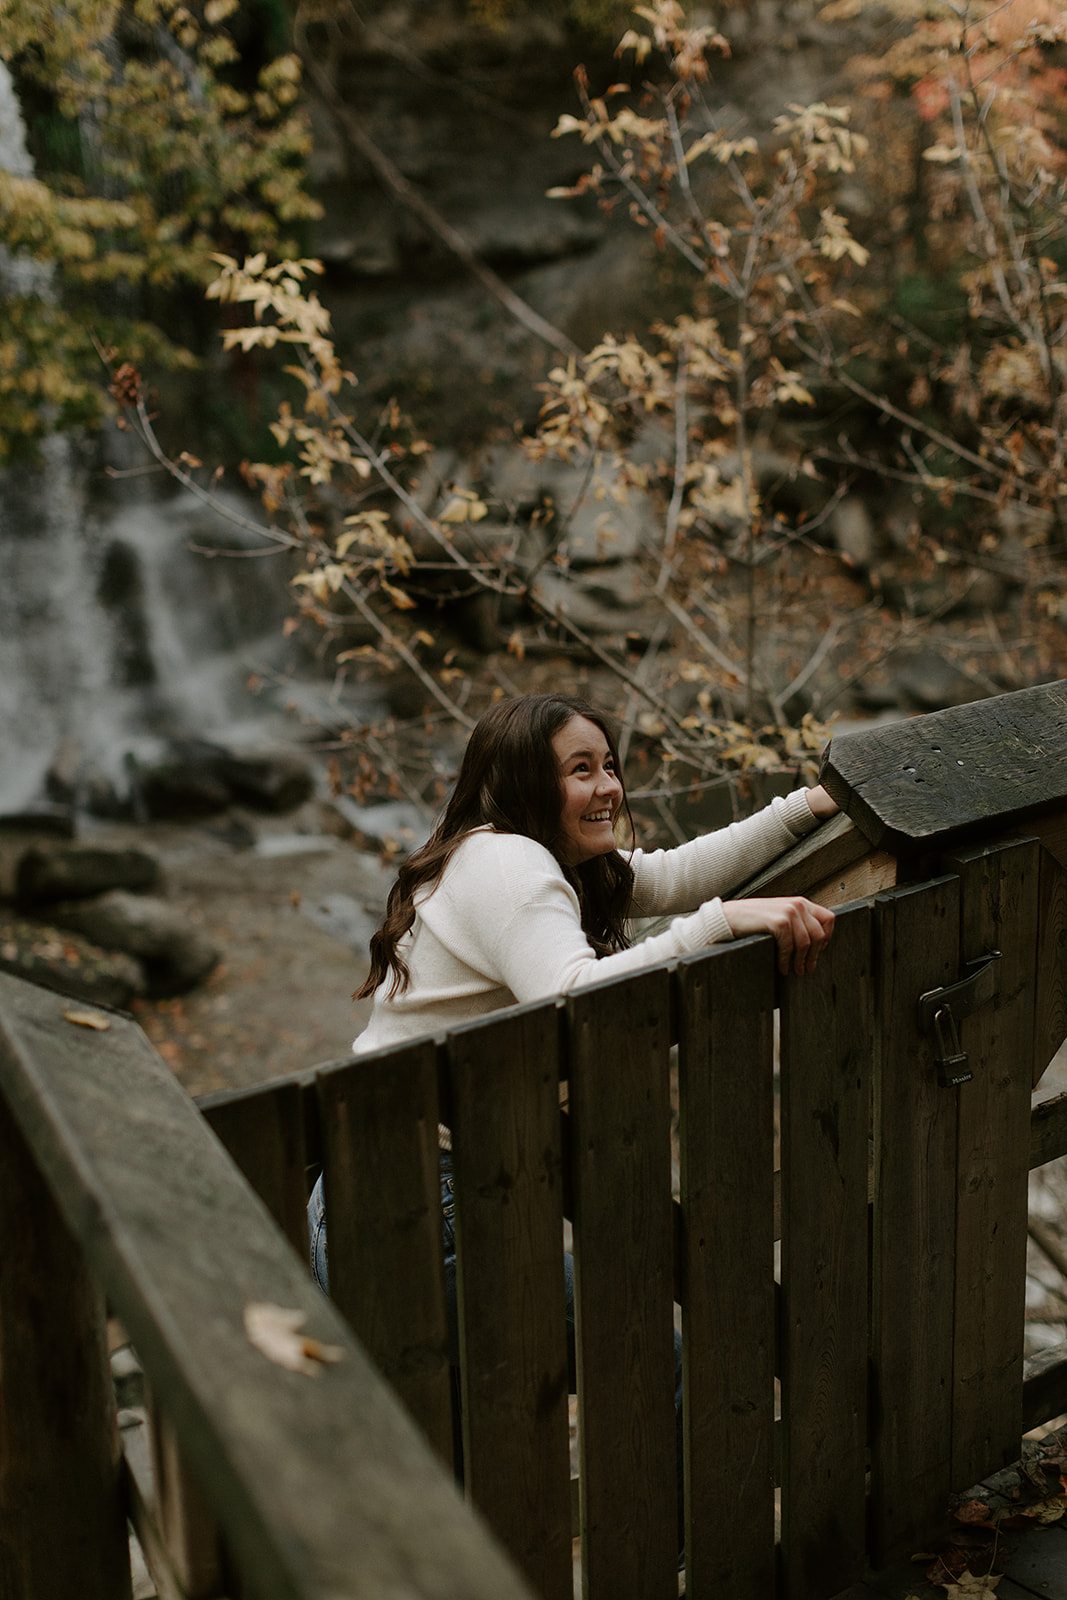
971,1586
1041,1512
274,1331
972,1511
87,1019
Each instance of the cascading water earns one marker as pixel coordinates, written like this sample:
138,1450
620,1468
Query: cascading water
52,667
114,632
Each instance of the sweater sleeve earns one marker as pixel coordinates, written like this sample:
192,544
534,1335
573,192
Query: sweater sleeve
505,909
681,879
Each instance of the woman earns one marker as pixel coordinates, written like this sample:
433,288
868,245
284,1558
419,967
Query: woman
521,892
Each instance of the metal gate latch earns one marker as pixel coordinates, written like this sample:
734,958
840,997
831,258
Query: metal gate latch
941,1009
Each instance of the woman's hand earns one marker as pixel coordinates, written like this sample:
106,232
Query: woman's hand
820,803
801,929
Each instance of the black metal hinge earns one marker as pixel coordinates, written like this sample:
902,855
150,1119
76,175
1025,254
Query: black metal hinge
940,1010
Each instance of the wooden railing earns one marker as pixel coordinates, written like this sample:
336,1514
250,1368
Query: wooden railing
112,1186
843,1243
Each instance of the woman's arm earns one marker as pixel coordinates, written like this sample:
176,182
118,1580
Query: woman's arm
670,881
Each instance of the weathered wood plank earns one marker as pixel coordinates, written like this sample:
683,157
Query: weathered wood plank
382,1184
140,1495
1052,831
509,1247
1048,1131
972,769
834,847
62,1526
998,911
1050,1012
1044,1386
826,1048
914,1225
187,1530
870,875
265,1133
726,1131
323,1486
620,1115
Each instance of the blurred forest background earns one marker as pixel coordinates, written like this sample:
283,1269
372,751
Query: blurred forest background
361,363
722,376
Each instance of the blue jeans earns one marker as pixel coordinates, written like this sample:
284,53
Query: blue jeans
320,1272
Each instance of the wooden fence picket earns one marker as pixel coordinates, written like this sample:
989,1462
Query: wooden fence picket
266,1135
914,1223
826,1032
998,911
383,1205
726,1135
624,1276
512,1334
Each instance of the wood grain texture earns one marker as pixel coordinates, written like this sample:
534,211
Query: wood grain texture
1045,1387
998,910
620,1138
509,1246
62,1525
382,1188
1050,1014
323,1487
726,1131
826,1048
834,847
950,775
1048,1130
187,1530
914,1225
265,1135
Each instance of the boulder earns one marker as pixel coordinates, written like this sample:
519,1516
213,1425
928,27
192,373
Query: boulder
68,963
269,780
594,602
173,952
198,778
186,782
28,830
76,872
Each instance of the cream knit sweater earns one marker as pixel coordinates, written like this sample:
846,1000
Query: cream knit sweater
502,924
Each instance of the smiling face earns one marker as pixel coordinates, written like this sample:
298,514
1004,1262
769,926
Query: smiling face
591,790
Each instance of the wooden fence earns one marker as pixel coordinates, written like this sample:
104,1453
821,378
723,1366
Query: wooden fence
843,1241
893,1322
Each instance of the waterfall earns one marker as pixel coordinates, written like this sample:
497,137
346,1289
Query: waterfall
52,667
114,631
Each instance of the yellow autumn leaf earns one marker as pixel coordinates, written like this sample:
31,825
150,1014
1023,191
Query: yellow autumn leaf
402,601
275,1332
87,1019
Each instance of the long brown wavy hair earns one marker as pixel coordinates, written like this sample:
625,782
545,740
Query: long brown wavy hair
510,780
